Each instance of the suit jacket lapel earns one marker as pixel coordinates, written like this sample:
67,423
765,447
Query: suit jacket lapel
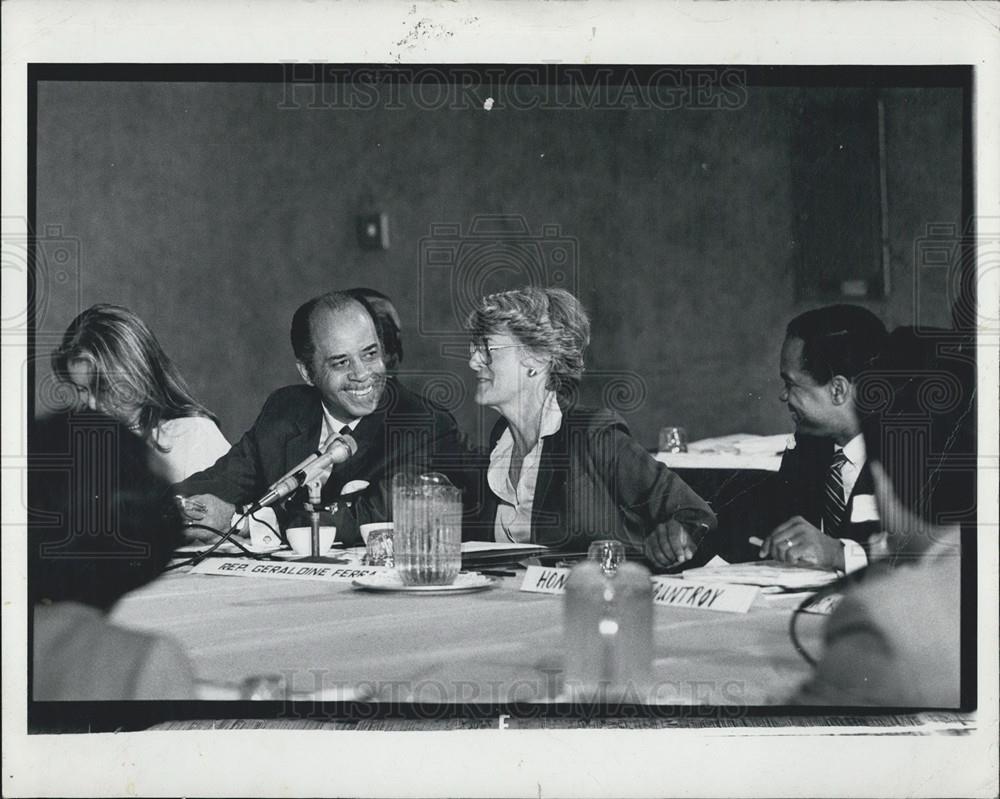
365,434
863,485
302,444
813,480
546,514
362,464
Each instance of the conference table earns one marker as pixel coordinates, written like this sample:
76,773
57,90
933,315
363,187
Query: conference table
501,645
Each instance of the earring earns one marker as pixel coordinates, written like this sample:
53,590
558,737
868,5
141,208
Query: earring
532,372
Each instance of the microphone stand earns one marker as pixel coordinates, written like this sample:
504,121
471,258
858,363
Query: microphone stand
315,490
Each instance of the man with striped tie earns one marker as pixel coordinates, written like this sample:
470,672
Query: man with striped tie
824,491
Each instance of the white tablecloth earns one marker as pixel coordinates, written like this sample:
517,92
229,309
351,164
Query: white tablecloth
736,451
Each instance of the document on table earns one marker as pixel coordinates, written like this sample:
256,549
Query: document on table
744,444
769,574
487,553
737,451
496,546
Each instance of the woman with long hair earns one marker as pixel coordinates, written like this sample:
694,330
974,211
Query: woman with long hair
118,368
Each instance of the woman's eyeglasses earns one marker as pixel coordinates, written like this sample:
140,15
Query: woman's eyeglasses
485,351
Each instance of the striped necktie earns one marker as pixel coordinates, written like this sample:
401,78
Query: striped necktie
833,500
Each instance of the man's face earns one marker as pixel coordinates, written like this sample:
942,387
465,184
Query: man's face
347,366
810,403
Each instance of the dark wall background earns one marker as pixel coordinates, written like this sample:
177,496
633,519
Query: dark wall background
213,213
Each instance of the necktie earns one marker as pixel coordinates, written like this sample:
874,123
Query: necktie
333,487
833,501
329,434
344,431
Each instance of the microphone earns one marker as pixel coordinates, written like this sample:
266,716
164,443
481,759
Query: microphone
338,450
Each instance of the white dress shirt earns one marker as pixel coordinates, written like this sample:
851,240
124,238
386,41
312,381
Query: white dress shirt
513,521
854,450
332,425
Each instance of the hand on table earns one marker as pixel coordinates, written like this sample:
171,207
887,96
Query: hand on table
798,541
206,509
669,544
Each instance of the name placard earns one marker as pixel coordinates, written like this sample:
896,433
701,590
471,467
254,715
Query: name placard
545,580
328,572
666,590
680,593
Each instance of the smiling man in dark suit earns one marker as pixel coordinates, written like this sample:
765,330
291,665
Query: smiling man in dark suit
821,510
346,391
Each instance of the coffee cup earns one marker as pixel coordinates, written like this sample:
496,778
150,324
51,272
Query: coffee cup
300,539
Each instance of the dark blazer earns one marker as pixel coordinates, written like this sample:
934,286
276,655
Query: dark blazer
406,430
595,481
796,490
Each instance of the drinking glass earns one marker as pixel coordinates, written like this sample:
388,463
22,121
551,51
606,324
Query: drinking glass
608,554
673,439
267,687
427,540
379,548
608,633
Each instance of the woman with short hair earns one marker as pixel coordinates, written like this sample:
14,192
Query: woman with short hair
560,474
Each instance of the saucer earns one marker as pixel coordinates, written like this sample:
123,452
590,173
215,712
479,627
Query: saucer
389,582
333,556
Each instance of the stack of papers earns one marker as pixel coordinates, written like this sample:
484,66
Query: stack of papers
737,451
495,546
743,444
483,553
769,574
